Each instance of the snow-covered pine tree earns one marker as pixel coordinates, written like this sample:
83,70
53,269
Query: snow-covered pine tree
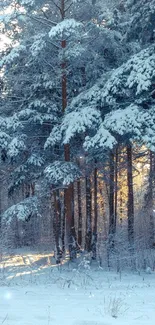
35,66
128,96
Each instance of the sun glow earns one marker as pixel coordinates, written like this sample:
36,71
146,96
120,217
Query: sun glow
8,295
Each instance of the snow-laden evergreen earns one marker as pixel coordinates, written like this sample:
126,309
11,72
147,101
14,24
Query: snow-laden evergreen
61,173
130,83
76,82
21,211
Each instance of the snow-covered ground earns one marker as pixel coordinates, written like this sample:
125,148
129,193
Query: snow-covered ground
40,294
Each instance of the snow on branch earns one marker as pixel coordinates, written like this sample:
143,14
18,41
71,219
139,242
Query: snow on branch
14,54
149,134
4,140
28,2
38,44
16,146
63,173
32,115
35,160
79,122
137,74
123,121
54,137
22,211
67,27
102,139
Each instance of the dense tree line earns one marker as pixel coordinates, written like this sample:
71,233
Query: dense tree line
77,115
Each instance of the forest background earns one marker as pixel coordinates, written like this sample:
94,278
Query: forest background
77,128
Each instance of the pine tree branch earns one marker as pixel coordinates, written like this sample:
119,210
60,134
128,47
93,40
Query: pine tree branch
69,7
43,21
56,5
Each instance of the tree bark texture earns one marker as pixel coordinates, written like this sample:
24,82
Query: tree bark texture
94,238
68,192
111,202
116,186
57,225
79,213
130,205
150,199
88,237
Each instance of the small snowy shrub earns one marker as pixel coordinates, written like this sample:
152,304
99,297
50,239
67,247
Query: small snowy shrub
85,264
114,306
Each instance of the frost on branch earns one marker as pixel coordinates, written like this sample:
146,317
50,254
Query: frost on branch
2,122
35,160
28,171
28,2
65,28
21,211
149,134
14,54
26,114
143,70
54,137
38,45
92,96
136,74
134,122
4,140
102,139
16,146
10,123
79,122
124,121
62,173
32,115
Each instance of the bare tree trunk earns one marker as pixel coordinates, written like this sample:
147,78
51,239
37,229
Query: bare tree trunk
68,193
69,214
27,190
63,228
94,238
88,237
130,205
102,205
116,186
150,199
111,203
79,212
57,225
32,189
1,199
121,206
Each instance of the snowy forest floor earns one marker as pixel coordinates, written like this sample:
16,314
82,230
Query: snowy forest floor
35,291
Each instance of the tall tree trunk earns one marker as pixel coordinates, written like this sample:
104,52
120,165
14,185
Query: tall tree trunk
120,186
150,199
94,238
57,225
32,189
130,205
121,206
116,186
102,206
79,212
27,190
88,237
63,227
69,214
68,193
111,203
1,199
